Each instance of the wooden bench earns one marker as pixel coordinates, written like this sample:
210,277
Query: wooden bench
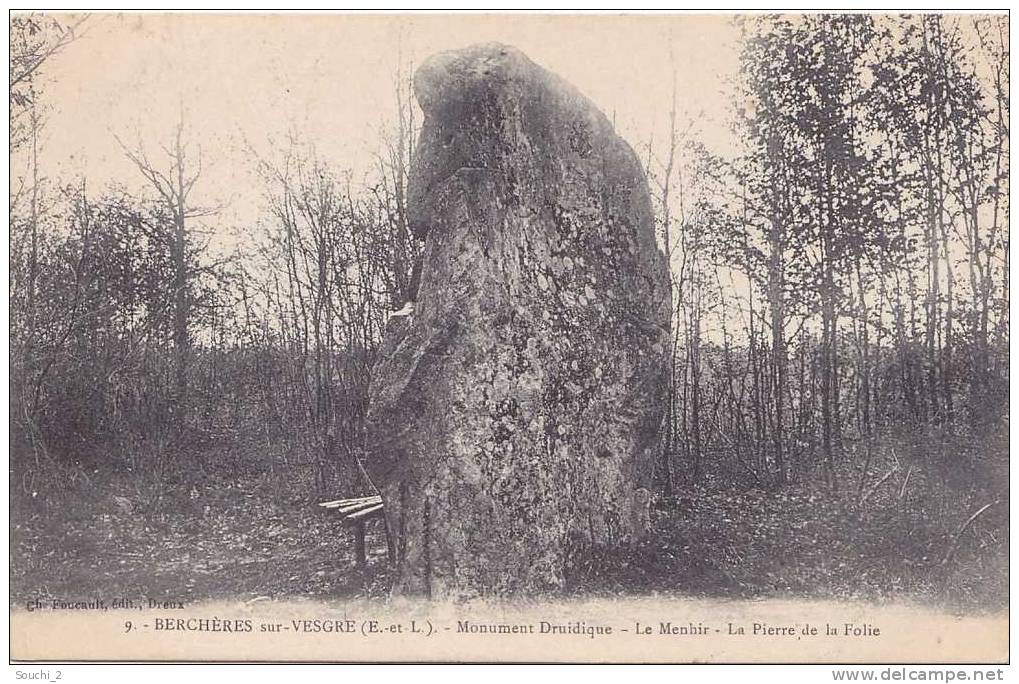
356,513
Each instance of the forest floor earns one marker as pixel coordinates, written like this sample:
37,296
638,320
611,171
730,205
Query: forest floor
220,536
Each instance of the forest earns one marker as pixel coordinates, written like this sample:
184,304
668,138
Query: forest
838,393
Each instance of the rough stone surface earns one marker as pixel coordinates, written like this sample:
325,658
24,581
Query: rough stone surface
513,416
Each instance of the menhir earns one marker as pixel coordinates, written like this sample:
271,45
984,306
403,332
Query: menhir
514,414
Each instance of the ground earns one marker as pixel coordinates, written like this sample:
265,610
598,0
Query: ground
802,544
214,534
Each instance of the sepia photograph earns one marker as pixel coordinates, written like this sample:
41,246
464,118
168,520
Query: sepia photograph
509,337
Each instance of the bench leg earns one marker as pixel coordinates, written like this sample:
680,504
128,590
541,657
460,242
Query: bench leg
359,553
390,543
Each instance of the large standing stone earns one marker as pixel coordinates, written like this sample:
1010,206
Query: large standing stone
513,416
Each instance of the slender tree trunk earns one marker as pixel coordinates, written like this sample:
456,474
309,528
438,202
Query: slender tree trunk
776,286
181,314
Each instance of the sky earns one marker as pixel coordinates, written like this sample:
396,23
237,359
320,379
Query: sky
245,82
